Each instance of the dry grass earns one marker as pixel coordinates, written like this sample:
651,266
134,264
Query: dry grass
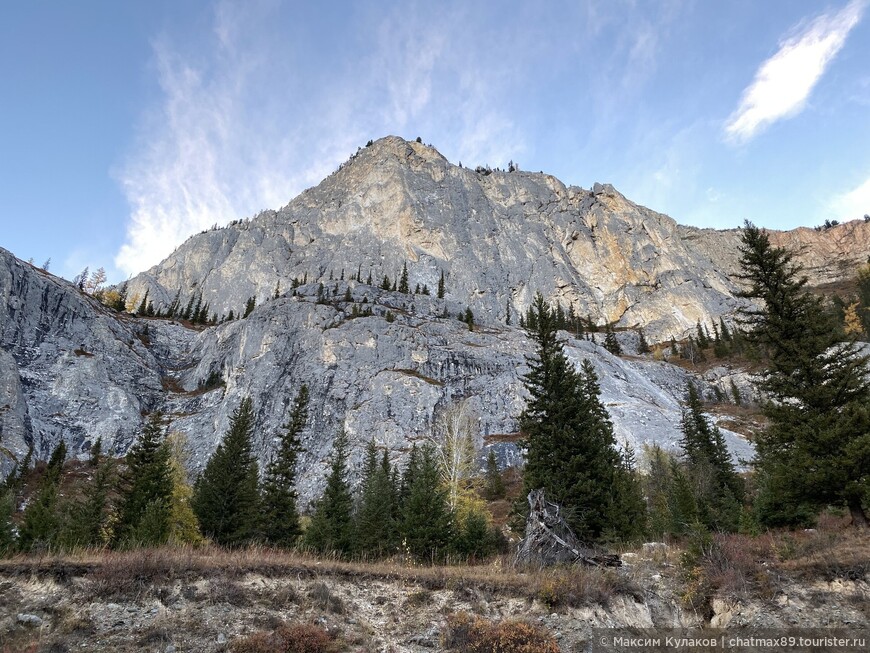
740,566
140,573
469,634
295,638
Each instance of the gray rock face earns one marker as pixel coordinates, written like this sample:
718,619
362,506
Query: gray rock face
381,379
499,238
68,367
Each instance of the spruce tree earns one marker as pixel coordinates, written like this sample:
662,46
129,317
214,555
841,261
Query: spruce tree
816,449
403,282
87,520
611,344
41,522
494,483
375,516
385,284
146,489
441,286
250,305
7,526
280,525
718,489
331,529
426,520
642,344
703,341
571,449
225,496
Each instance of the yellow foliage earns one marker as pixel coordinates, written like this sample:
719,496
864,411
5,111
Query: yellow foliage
853,322
183,524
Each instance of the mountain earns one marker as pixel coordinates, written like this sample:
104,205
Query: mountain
71,368
498,237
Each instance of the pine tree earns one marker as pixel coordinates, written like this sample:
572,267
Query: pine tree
642,344
441,286
816,449
718,488
494,483
331,529
571,449
385,284
41,522
426,520
250,305
375,521
403,283
225,496
280,524
146,489
611,344
7,526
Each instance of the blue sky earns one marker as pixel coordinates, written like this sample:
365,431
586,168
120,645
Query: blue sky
126,127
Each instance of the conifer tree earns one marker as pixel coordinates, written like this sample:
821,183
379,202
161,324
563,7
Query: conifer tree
331,529
611,344
426,519
494,483
146,489
120,303
703,342
86,522
143,306
7,527
468,318
571,449
278,501
441,286
642,344
717,487
250,305
507,312
403,282
225,496
816,449
375,516
183,524
41,523
386,284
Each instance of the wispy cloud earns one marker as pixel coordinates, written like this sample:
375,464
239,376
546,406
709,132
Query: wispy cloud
853,203
256,118
784,82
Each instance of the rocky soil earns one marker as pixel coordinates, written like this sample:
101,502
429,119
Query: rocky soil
163,604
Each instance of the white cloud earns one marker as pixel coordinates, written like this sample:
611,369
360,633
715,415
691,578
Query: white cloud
853,203
255,117
784,82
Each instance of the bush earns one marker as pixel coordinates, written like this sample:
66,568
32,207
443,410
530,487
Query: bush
467,634
295,638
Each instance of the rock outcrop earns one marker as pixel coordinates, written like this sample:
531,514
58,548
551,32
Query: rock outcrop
499,237
73,370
